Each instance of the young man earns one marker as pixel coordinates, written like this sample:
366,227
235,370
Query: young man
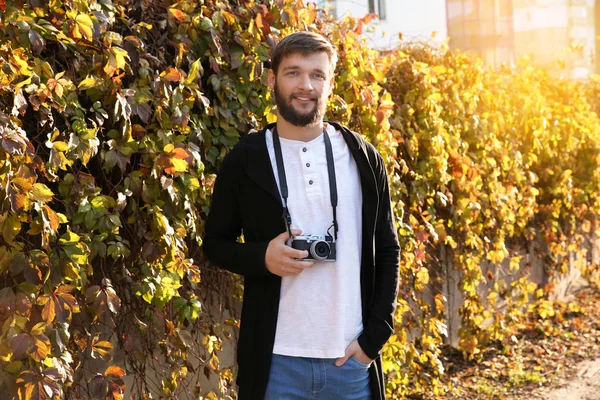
309,329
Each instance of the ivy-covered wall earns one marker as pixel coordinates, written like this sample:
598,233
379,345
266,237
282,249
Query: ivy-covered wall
114,117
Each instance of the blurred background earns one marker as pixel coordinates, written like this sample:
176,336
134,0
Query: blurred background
558,35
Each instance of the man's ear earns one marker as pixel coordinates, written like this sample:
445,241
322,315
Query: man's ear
271,79
331,84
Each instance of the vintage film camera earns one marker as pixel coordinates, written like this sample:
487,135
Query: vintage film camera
320,248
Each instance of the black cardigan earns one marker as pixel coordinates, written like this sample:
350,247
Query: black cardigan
246,199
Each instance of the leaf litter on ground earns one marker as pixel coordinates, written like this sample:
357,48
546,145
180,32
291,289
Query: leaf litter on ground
538,361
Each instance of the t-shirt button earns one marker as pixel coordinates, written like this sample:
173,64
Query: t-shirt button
310,182
304,149
307,165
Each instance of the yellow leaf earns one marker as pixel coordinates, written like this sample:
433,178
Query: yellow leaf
58,89
41,193
194,70
179,165
5,352
120,55
19,60
423,276
89,82
85,25
72,271
60,146
116,60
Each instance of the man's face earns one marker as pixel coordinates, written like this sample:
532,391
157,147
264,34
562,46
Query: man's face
301,88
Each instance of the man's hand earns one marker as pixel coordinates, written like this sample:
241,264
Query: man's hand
353,350
282,260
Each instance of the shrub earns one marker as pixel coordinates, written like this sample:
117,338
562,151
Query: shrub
114,118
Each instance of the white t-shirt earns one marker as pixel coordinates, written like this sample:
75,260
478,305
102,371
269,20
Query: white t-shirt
320,309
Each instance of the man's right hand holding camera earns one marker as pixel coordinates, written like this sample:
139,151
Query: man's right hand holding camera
282,260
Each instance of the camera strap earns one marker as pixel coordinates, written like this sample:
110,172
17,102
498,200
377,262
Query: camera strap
283,182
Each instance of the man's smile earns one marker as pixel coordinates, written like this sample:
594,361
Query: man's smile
304,99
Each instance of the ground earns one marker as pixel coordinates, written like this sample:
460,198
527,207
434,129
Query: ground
585,385
561,365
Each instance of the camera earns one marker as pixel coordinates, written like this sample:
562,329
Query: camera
319,247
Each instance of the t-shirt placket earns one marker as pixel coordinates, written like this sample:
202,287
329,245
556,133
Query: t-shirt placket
311,175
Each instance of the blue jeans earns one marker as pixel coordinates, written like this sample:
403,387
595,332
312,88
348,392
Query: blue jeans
299,378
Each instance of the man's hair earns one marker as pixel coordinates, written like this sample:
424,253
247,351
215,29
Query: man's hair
304,43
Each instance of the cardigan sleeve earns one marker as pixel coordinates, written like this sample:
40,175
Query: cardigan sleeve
380,324
224,224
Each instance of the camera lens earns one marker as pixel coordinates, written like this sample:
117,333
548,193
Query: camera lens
319,250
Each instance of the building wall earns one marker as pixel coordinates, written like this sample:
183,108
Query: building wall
357,8
484,27
504,31
415,20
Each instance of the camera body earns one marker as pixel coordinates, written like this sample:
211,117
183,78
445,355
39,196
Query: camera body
321,248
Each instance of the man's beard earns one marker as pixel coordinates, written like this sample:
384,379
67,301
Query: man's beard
289,113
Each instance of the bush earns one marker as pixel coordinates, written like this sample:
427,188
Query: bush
114,117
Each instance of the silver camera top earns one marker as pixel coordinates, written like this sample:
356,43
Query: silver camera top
310,238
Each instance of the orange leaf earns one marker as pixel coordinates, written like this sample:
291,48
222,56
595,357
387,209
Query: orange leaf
64,289
178,14
40,350
114,372
23,184
138,131
180,153
49,311
35,386
172,74
101,349
17,200
229,17
52,218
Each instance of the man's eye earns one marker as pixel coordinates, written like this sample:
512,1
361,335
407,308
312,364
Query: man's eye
319,76
292,73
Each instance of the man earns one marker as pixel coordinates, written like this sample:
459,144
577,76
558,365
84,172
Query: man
309,330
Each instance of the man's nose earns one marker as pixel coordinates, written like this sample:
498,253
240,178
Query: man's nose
305,82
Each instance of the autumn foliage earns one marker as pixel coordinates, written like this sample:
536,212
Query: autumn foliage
114,117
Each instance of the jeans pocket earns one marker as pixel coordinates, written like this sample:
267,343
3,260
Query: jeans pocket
360,363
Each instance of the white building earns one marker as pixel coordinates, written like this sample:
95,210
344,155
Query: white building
422,20
503,31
